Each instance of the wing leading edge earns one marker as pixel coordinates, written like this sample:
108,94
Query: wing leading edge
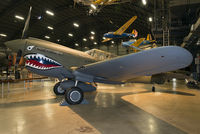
144,63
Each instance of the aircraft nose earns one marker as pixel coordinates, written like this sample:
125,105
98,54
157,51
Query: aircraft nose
16,45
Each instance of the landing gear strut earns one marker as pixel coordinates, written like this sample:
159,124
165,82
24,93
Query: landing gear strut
74,95
58,90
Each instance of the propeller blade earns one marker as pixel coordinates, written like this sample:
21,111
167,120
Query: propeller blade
26,26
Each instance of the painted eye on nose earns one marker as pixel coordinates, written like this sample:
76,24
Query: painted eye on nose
30,48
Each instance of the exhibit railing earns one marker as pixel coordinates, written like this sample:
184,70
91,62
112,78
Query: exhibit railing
26,84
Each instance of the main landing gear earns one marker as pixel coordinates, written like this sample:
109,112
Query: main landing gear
73,90
74,95
58,90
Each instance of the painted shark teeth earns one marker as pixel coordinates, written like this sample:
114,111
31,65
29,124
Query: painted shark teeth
43,60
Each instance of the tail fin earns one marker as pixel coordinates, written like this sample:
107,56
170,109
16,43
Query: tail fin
138,42
149,38
135,33
97,2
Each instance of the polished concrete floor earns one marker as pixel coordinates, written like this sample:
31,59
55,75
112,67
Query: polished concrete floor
112,109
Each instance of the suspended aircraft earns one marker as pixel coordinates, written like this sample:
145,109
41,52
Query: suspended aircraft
100,2
120,32
137,44
54,60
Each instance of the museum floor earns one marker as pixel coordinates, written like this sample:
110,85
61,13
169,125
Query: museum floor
128,109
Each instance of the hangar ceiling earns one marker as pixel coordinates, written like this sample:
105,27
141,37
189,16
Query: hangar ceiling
110,18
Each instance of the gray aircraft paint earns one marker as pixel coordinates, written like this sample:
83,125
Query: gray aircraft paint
148,62
144,63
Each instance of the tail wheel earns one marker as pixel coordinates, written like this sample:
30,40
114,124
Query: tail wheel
58,90
74,96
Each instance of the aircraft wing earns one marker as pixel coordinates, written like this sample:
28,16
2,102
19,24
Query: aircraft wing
137,43
107,39
125,26
144,63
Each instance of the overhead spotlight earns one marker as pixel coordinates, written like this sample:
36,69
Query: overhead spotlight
49,13
92,32
92,37
84,39
19,17
3,35
39,17
47,37
112,42
93,6
144,2
49,27
104,38
70,34
58,40
76,25
76,44
95,43
150,19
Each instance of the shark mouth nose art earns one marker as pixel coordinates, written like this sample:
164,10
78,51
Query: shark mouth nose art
39,61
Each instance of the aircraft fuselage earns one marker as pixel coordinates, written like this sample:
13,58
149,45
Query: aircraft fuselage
112,35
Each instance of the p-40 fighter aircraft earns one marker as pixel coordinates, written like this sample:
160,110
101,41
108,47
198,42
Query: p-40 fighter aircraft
120,32
53,60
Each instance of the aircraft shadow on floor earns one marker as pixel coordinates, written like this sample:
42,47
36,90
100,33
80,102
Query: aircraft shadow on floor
175,92
108,113
30,103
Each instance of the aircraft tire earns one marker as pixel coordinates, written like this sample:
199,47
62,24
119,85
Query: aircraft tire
74,96
57,89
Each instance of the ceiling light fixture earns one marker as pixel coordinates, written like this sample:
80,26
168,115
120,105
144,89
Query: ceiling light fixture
47,37
112,42
49,13
144,2
3,35
150,19
93,6
76,25
76,44
92,37
92,32
70,34
19,17
49,27
84,39
95,43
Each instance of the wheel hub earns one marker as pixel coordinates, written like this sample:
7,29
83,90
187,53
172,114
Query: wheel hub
60,90
75,96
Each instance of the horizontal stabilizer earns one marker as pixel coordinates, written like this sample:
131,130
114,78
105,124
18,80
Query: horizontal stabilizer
138,42
136,48
107,39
